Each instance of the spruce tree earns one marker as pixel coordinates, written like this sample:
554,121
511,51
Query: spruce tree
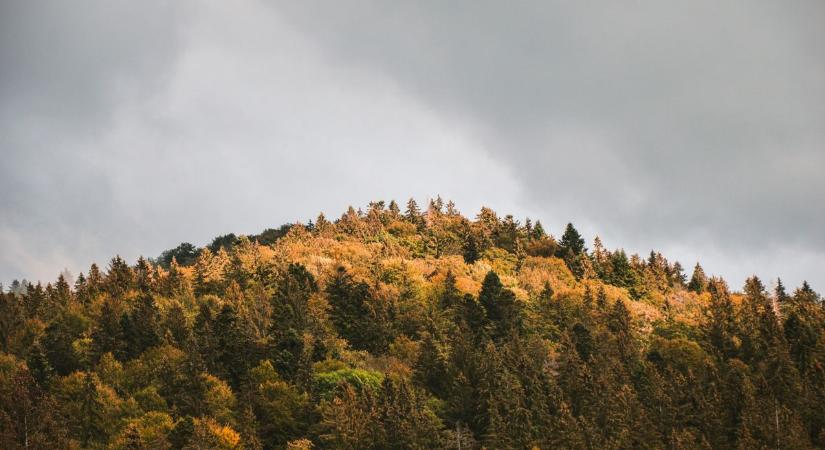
538,231
780,293
413,213
698,281
91,411
571,241
119,277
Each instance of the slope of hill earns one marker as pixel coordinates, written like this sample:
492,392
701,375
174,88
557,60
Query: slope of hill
390,329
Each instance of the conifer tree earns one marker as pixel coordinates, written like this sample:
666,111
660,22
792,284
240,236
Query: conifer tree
571,241
144,276
451,296
140,328
538,231
393,209
108,336
780,293
351,313
119,277
677,275
62,292
500,305
91,411
698,281
721,327
413,213
471,249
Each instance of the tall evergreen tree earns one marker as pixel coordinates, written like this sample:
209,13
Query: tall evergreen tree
571,241
698,281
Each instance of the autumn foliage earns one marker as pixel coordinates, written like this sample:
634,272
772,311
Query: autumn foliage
414,328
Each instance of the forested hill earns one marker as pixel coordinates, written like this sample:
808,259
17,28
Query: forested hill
413,329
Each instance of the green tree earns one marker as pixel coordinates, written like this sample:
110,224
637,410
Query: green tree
503,311
698,281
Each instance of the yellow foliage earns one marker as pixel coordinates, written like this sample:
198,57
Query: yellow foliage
212,435
537,271
219,398
299,444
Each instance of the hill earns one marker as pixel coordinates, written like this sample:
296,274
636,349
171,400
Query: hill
391,329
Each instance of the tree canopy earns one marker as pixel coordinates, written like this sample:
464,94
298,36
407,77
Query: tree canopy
409,329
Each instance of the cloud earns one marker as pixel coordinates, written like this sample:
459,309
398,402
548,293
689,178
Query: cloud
245,125
693,128
659,124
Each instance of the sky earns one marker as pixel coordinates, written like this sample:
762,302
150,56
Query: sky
693,128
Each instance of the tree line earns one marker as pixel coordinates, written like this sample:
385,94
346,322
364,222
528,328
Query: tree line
409,329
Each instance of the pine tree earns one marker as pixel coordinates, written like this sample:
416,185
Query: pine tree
503,311
583,341
11,317
119,278
698,281
321,223
781,296
413,213
141,329
721,322
393,209
39,366
230,347
91,411
451,296
677,276
94,281
601,299
351,314
62,292
471,249
571,241
538,231
108,336
144,276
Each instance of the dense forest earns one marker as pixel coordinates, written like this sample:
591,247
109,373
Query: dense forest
409,328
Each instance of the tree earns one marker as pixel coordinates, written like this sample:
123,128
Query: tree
28,414
11,318
413,213
60,334
571,241
677,276
91,410
119,277
470,248
141,329
721,327
185,254
182,433
144,276
698,281
572,251
107,336
780,293
403,419
538,231
351,313
503,311
230,348
279,408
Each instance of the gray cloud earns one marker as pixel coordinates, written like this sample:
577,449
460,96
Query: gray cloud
693,128
660,124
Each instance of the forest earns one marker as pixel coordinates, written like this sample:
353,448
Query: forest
409,327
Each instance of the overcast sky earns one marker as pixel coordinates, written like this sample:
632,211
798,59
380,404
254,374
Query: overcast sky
696,128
